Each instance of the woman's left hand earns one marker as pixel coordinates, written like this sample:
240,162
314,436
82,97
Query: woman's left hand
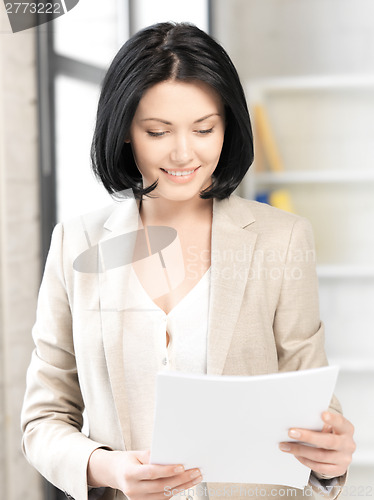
331,449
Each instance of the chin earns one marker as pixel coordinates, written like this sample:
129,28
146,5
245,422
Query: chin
181,196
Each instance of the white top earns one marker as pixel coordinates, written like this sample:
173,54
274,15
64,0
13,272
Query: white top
146,352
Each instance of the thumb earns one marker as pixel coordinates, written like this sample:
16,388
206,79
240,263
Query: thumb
327,428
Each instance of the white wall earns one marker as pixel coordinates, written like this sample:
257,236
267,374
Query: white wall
296,37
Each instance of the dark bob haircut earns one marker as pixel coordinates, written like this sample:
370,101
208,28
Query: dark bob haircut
168,51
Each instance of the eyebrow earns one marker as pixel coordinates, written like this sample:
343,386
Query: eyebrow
169,123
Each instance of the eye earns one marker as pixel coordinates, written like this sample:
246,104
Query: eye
203,132
155,134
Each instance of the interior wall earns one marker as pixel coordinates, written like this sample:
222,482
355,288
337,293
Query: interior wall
19,249
296,37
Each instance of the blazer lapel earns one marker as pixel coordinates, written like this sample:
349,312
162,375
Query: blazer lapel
231,255
112,283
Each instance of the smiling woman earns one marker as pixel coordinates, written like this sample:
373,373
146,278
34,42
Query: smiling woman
173,127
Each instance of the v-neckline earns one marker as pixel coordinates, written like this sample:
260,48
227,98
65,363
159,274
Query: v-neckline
183,299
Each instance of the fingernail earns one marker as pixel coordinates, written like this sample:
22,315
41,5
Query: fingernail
294,434
197,480
284,447
195,474
179,469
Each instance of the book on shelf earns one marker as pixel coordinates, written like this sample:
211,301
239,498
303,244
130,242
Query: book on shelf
268,151
279,198
266,139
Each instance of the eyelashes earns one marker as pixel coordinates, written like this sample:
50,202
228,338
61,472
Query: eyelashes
156,134
161,134
203,132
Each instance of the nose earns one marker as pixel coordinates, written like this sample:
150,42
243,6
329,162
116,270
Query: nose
182,150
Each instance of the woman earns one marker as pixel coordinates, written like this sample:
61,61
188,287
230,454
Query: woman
173,129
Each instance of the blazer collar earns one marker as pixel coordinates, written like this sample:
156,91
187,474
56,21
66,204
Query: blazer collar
125,217
233,208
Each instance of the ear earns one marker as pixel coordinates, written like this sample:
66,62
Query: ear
127,141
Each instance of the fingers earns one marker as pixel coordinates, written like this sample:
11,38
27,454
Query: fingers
149,471
327,428
325,440
138,479
153,471
336,434
318,455
328,451
338,423
157,478
327,469
175,484
184,486
329,462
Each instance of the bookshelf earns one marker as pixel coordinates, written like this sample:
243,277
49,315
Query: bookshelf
320,130
333,176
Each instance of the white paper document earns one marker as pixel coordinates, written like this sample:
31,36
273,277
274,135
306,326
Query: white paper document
231,426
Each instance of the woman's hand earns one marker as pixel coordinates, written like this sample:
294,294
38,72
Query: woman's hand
131,473
331,450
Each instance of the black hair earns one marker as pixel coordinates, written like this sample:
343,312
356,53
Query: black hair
168,51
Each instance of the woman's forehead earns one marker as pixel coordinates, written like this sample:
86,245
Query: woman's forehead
194,99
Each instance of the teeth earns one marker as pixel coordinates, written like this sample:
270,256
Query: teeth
178,173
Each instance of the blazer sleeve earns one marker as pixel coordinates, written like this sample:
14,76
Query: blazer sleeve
51,417
298,331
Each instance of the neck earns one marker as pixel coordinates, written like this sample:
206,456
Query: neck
158,211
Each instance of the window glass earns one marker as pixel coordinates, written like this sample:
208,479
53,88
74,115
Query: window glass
89,32
78,191
148,12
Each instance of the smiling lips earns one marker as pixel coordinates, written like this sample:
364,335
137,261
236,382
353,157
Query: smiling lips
180,175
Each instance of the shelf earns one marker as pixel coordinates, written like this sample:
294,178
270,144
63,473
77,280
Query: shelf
327,176
332,271
353,365
326,183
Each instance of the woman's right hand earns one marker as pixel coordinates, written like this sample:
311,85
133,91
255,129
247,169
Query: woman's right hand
131,473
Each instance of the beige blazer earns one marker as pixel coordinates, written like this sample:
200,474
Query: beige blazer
264,318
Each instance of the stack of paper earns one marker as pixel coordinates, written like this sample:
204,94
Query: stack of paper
231,426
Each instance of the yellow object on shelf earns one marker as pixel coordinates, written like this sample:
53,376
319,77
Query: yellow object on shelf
280,198
266,138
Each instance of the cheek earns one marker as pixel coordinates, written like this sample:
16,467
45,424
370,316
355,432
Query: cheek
148,152
141,154
214,148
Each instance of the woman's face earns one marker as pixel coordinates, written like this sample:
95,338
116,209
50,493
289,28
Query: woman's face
177,136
